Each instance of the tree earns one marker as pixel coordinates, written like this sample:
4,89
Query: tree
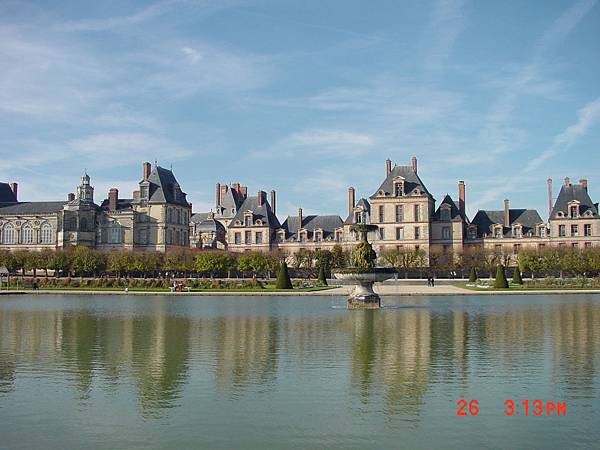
500,282
45,259
86,261
254,262
61,261
322,278
516,279
214,262
339,257
473,275
283,277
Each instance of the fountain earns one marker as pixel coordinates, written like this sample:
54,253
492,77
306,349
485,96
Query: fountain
364,273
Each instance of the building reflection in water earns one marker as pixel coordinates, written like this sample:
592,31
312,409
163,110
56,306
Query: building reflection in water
395,355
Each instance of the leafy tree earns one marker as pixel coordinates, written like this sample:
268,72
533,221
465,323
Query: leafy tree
339,257
322,277
213,262
45,259
283,277
61,261
501,281
86,261
254,262
473,275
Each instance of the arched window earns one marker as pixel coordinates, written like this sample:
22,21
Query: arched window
46,234
27,234
9,234
83,224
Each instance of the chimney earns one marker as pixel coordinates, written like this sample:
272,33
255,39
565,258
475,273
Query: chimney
273,205
299,218
244,191
136,194
113,198
218,195
461,197
567,181
70,197
261,197
388,167
235,187
224,189
146,169
414,164
14,187
549,197
583,183
506,213
350,200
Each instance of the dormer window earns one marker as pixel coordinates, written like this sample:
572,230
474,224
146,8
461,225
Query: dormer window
248,220
358,217
399,187
473,232
302,236
318,236
574,211
542,231
560,214
258,222
498,232
517,232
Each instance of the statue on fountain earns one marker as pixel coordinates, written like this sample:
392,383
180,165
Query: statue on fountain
364,271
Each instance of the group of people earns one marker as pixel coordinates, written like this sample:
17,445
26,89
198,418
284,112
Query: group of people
430,281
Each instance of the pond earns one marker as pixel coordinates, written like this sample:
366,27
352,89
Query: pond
105,372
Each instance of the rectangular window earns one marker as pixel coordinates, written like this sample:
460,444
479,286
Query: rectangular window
381,214
247,221
516,249
446,233
588,245
247,237
561,244
541,246
258,237
417,232
381,234
574,245
518,232
399,214
399,233
318,236
498,248
238,238
587,229
574,230
498,232
338,236
417,213
562,230
574,211
542,231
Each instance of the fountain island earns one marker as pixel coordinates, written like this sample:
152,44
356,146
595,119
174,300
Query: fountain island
363,272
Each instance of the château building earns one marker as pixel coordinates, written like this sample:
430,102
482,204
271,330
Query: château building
158,217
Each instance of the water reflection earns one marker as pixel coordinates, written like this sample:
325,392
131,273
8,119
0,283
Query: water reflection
391,357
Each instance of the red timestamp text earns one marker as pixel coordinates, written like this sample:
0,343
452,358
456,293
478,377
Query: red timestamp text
515,408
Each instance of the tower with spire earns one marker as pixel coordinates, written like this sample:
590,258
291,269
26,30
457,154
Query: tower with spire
85,191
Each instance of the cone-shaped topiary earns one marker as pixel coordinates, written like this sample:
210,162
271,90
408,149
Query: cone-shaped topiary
517,276
500,282
473,275
283,277
322,278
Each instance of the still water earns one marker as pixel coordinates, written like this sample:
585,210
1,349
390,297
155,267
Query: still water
108,372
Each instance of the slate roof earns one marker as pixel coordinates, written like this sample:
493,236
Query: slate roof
366,206
455,213
485,220
210,225
263,212
122,203
6,194
199,217
26,208
328,223
570,193
232,200
411,182
164,188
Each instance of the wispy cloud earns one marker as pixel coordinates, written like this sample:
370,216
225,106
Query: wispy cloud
447,21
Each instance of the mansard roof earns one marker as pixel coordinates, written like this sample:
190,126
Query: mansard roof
454,210
232,200
164,187
28,208
412,182
122,203
327,223
573,192
199,217
6,194
486,219
262,212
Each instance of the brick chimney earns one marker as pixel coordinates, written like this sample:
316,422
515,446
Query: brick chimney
262,197
300,218
224,189
549,181
70,197
146,169
244,191
414,164
351,200
388,167
461,197
584,183
113,199
506,213
218,195
14,187
273,200
567,181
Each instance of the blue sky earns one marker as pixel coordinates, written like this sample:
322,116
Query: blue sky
306,97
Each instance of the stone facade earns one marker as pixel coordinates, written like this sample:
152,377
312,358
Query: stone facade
156,218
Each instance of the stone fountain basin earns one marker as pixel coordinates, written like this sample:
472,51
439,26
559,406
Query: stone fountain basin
372,275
